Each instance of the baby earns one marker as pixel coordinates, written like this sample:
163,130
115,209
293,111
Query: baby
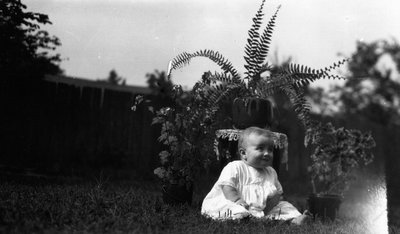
250,186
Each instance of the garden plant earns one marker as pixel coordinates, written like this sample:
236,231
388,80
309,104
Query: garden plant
187,134
193,115
337,153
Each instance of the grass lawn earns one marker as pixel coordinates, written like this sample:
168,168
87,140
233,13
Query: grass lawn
35,205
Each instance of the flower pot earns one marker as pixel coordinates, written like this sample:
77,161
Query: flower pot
324,207
252,112
175,194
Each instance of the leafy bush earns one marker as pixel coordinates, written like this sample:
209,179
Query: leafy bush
187,131
337,153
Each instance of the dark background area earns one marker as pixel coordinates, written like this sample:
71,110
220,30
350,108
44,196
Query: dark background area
57,128
61,128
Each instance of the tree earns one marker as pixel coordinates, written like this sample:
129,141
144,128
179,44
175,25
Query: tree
159,84
114,78
377,94
373,90
25,49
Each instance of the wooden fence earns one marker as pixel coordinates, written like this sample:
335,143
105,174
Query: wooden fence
70,126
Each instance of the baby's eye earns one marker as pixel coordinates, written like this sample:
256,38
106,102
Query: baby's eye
262,148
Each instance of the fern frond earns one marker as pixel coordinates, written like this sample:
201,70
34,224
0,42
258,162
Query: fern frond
223,77
184,59
265,39
179,61
326,70
300,105
275,82
219,92
301,75
288,86
252,45
224,63
266,67
267,88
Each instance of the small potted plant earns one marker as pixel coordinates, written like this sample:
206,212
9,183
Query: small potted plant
337,153
187,135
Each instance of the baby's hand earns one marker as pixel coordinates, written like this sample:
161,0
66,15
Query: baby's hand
242,203
272,201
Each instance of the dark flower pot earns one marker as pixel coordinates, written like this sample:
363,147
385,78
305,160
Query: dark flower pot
175,194
252,112
324,207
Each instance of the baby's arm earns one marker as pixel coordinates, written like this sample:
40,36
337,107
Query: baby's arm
232,194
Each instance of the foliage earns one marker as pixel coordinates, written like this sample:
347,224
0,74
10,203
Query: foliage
187,131
25,49
113,78
160,85
261,79
337,152
378,96
373,89
40,206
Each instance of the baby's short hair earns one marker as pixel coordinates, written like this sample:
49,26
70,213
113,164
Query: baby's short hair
250,130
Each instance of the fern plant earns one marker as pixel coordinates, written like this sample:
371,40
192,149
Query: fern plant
228,84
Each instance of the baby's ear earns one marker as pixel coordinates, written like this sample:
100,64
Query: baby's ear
242,153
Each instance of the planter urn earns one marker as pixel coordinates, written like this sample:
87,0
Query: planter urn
324,206
252,112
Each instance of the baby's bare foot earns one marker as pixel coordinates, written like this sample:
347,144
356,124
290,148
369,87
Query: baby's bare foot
301,219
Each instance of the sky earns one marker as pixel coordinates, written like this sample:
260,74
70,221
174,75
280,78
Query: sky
137,37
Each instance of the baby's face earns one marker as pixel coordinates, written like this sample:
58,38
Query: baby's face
258,151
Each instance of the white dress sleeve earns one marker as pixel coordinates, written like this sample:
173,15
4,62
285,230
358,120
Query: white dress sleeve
215,205
228,176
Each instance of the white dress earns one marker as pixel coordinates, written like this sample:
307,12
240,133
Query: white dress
254,186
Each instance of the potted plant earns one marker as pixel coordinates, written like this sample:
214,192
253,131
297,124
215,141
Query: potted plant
337,153
253,92
187,135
